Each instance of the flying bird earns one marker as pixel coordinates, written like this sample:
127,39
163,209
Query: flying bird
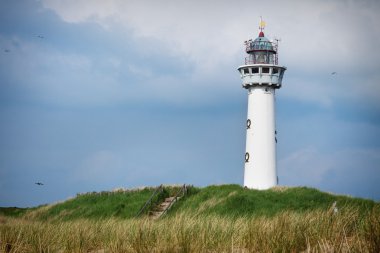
40,36
39,183
333,73
6,50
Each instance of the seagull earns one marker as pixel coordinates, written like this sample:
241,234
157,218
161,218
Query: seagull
333,73
39,183
40,36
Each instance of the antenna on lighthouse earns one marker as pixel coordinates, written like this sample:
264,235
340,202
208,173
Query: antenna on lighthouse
275,43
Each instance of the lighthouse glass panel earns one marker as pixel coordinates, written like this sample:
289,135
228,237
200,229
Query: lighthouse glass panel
260,57
271,58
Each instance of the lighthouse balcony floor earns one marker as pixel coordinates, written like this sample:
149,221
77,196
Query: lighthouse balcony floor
272,85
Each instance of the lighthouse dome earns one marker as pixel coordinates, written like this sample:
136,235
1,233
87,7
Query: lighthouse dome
262,43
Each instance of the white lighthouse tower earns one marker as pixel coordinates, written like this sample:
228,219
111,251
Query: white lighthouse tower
261,76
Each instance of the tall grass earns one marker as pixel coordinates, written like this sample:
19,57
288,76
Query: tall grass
349,230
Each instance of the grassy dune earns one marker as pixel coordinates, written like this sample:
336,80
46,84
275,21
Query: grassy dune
234,201
123,204
118,204
225,218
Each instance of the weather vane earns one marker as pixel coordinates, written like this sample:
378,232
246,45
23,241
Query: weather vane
262,24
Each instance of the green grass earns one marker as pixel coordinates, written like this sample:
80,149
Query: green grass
236,201
13,211
100,205
225,200
119,204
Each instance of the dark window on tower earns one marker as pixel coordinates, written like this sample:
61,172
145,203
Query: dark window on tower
255,70
265,70
248,123
275,70
246,71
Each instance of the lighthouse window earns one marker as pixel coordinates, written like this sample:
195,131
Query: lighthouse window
246,71
265,70
275,70
255,70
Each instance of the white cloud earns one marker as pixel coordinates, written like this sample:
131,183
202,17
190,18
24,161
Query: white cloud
70,78
204,30
80,11
317,36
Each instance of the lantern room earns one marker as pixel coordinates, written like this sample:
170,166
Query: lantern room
261,51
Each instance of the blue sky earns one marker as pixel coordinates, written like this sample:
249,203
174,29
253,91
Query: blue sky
96,95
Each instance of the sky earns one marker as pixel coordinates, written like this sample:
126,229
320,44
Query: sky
98,95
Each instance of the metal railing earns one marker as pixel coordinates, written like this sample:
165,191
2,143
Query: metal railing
182,191
158,190
264,59
266,46
262,45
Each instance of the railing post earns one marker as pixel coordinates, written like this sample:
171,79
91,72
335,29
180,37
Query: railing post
159,189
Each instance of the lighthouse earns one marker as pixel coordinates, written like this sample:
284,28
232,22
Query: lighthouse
261,76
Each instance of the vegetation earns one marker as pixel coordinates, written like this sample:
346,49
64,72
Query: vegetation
95,205
224,218
315,231
235,201
13,211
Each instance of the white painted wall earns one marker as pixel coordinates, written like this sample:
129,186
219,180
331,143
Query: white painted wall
260,170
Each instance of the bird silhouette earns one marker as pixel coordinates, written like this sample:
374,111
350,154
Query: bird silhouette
40,36
6,50
333,73
39,183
